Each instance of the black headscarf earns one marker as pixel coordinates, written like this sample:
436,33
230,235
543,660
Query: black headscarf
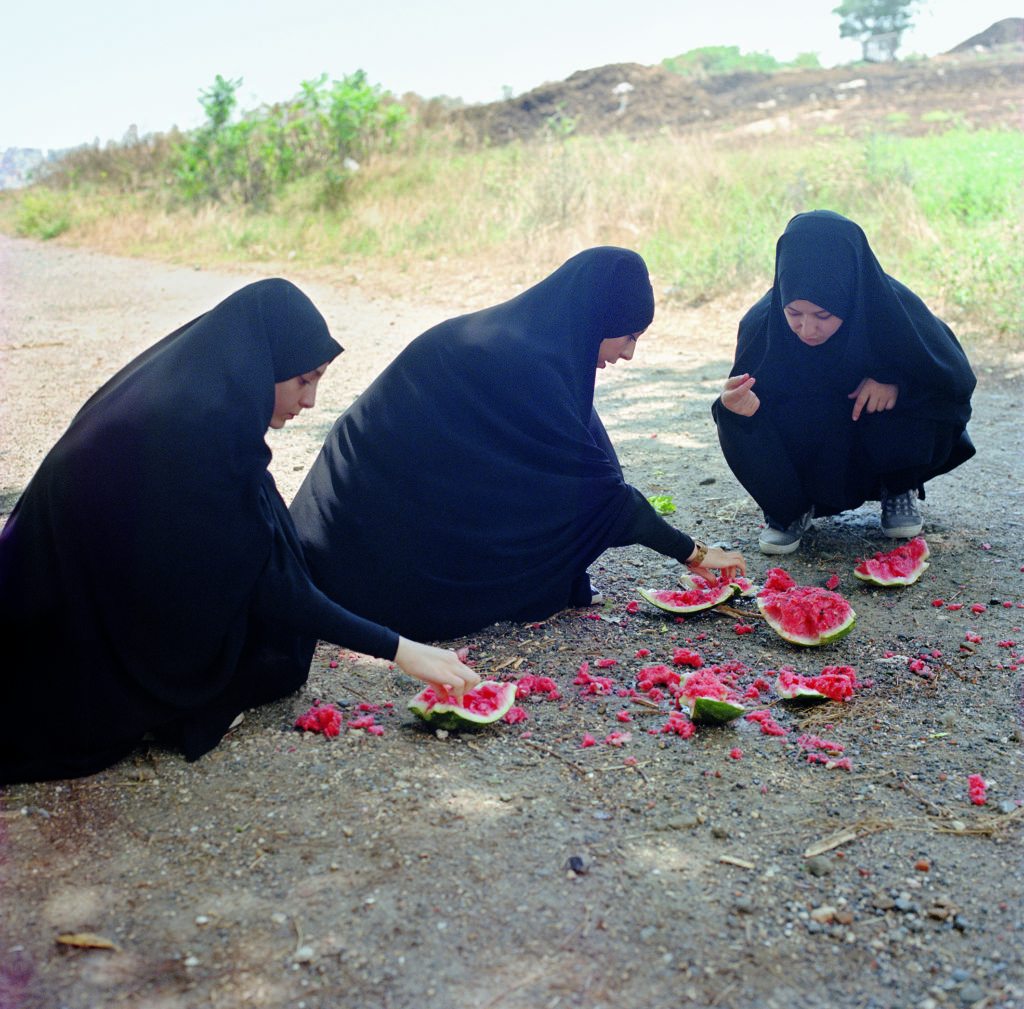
887,333
134,553
471,482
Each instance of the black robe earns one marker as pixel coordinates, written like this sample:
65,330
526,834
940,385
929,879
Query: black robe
472,482
802,448
150,576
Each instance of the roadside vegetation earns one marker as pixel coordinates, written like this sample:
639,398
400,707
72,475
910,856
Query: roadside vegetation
345,177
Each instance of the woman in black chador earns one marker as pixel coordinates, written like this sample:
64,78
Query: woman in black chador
153,559
845,389
472,481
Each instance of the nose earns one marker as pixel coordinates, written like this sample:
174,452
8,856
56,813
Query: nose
627,351
308,398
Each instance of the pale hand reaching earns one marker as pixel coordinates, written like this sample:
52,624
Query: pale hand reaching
729,563
437,666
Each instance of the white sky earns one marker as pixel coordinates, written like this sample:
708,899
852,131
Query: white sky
72,72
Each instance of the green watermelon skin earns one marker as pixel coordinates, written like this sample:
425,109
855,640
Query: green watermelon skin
707,709
901,566
485,704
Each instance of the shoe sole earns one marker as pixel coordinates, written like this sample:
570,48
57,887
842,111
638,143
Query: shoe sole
778,548
903,532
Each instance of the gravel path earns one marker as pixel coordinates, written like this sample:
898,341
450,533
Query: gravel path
500,870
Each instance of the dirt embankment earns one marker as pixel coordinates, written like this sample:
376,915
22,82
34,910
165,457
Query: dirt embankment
980,89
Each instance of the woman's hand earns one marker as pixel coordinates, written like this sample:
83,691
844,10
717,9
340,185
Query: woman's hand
436,666
738,396
729,562
873,395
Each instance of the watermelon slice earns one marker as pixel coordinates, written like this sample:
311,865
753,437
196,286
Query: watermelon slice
689,600
709,698
806,615
486,703
902,566
836,683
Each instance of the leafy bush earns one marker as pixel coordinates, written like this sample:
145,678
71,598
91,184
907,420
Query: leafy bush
323,129
41,213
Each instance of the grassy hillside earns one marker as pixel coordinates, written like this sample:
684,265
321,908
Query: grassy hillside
944,211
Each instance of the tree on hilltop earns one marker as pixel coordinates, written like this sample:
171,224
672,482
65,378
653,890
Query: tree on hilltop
879,24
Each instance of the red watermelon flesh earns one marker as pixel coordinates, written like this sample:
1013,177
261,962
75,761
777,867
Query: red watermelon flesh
806,615
777,580
742,586
902,566
835,683
691,600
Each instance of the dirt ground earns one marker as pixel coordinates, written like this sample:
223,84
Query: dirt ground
514,868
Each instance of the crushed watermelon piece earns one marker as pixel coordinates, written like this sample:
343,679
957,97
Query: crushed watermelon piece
326,719
977,788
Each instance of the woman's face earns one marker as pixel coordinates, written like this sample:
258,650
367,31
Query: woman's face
295,395
618,349
812,324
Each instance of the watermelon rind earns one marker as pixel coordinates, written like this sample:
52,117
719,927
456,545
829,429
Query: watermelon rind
455,713
707,709
708,698
771,603
662,599
901,566
745,588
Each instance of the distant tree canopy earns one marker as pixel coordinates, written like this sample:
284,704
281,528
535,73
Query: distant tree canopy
728,59
879,24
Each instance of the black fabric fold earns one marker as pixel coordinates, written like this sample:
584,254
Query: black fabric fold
472,481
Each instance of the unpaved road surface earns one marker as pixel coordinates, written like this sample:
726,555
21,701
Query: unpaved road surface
515,868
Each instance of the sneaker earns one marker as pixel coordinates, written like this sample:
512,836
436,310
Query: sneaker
777,540
901,518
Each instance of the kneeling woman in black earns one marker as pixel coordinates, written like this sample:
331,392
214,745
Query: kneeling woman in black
845,389
473,481
154,560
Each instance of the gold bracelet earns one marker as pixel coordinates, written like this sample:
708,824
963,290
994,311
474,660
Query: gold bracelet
698,557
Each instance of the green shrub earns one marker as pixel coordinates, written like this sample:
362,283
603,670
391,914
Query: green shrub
42,213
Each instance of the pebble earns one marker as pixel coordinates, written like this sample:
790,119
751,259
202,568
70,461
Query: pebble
819,865
303,954
744,905
685,821
971,992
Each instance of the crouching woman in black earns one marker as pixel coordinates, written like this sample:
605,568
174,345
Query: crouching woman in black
845,388
152,564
